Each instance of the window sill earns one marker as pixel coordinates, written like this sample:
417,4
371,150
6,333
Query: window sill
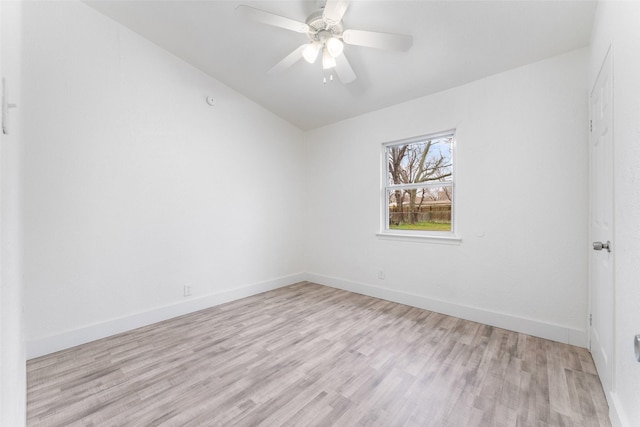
443,240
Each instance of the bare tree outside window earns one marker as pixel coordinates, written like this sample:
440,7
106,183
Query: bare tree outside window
419,188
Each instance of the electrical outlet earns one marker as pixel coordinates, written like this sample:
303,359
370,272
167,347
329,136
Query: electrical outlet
187,290
381,274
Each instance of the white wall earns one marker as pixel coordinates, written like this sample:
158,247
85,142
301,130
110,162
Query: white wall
12,351
134,186
616,25
521,202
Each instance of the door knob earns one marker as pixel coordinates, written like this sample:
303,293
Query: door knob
598,246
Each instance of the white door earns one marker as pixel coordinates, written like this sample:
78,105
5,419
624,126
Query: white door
602,255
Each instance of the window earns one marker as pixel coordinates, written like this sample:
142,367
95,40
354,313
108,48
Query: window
418,186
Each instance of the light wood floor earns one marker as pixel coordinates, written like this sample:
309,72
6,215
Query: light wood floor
312,355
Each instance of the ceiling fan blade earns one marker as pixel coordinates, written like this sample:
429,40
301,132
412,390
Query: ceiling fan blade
334,11
269,18
343,70
288,61
378,40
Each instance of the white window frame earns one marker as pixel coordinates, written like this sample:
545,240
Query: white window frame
449,237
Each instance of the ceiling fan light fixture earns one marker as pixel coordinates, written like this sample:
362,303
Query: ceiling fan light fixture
334,47
328,61
310,52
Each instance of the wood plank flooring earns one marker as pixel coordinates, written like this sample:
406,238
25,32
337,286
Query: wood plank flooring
312,355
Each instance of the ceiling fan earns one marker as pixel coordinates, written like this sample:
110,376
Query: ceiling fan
326,37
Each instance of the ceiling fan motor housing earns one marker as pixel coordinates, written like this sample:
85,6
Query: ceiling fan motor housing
320,30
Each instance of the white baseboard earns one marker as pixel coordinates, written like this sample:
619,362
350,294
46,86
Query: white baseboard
616,412
50,344
536,328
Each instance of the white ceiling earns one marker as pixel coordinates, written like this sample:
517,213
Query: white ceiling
455,42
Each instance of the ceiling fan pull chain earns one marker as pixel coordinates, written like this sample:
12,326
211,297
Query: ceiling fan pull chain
327,75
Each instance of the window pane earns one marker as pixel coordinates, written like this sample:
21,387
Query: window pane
421,161
421,208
